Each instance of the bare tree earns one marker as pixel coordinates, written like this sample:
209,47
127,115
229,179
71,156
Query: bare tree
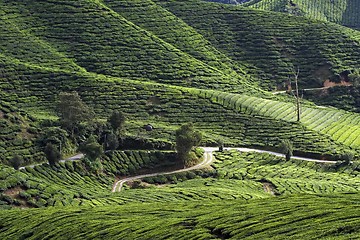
296,95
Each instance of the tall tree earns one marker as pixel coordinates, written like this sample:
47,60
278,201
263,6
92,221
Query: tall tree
117,121
91,148
16,161
287,148
52,154
186,138
296,95
111,141
73,111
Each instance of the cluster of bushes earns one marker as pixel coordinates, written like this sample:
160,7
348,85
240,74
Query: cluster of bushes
18,134
289,177
178,177
123,163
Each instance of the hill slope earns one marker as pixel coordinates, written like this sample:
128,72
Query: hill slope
296,217
166,63
117,57
274,45
343,12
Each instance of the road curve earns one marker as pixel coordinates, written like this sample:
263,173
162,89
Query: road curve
208,158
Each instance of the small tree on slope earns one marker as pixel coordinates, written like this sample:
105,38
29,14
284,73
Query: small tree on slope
186,138
73,111
52,154
287,148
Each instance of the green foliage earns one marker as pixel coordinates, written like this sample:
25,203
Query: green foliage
56,136
159,60
343,127
354,77
347,157
338,11
18,133
186,138
301,216
111,141
288,177
124,163
73,111
287,148
91,148
117,121
257,41
16,161
52,154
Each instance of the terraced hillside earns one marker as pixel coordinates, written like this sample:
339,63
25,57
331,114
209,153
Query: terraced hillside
341,126
295,217
18,133
273,45
287,178
166,63
336,11
118,59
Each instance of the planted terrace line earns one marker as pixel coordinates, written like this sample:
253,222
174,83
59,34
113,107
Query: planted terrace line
208,158
72,158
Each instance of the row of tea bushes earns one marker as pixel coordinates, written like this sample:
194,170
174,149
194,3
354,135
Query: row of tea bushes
288,177
298,217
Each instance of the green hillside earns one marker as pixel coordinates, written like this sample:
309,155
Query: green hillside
224,68
18,133
114,69
204,203
343,12
296,217
274,45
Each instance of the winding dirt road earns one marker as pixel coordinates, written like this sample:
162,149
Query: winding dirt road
72,158
208,158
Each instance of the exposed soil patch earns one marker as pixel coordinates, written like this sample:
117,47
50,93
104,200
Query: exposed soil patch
329,84
269,187
2,114
14,192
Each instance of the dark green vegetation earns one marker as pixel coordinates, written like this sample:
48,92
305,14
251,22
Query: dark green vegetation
125,46
288,177
187,138
72,182
343,12
17,134
71,72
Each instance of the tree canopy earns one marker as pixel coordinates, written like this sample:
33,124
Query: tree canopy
72,110
186,138
117,121
287,148
91,148
52,154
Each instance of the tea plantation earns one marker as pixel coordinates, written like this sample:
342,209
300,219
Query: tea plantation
294,217
138,70
337,11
